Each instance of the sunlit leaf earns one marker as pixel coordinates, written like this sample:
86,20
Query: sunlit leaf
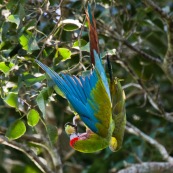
71,24
58,91
79,43
5,67
14,19
16,130
65,53
33,117
12,99
28,42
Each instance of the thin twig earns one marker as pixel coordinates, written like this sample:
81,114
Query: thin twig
51,34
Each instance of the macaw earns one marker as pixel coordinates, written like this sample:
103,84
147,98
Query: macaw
99,102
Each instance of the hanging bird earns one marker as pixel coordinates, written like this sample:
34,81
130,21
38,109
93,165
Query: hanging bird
91,98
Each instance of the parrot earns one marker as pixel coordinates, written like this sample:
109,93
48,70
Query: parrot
98,101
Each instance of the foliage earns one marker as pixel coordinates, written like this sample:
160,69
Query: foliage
133,33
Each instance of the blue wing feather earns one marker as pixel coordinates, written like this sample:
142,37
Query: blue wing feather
87,87
80,88
82,80
77,90
72,84
101,71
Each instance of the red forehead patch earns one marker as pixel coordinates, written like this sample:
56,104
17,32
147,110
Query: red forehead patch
72,142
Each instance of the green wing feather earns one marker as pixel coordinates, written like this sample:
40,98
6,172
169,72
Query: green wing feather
119,113
90,142
104,111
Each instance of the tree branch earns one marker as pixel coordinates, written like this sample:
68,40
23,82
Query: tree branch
27,151
53,155
117,37
142,53
134,130
154,167
152,101
168,60
156,8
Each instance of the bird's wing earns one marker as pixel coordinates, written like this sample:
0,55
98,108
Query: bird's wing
89,96
119,113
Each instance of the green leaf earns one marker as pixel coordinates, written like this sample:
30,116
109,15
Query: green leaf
58,91
17,168
41,103
52,133
109,52
33,117
31,169
4,34
28,42
71,24
12,100
21,11
29,79
14,19
16,130
11,5
86,48
41,100
65,53
79,43
6,67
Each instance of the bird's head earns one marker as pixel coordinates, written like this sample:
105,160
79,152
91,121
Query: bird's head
71,130
87,142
